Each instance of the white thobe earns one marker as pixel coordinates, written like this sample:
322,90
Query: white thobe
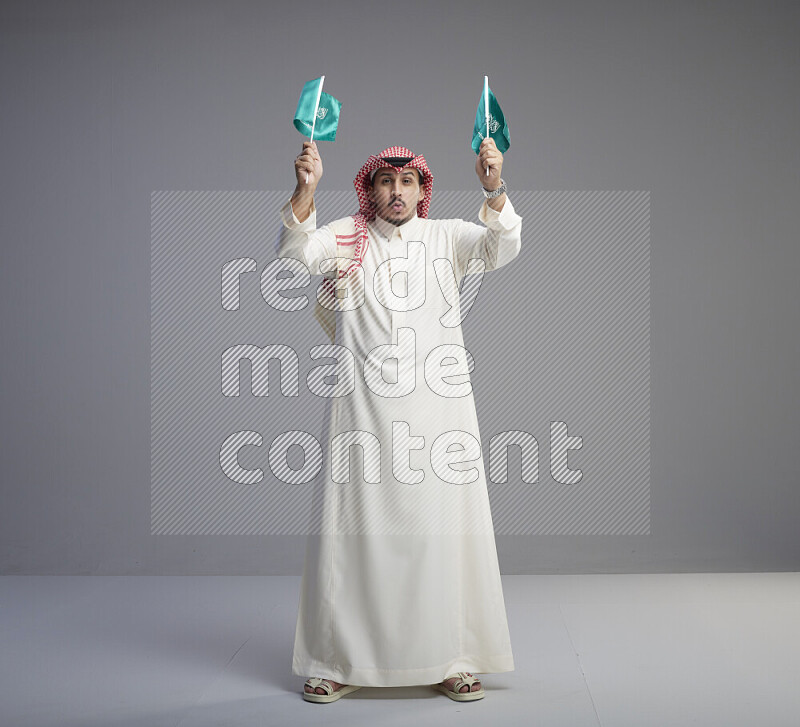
401,582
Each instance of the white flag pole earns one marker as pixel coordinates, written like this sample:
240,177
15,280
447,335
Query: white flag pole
316,108
486,108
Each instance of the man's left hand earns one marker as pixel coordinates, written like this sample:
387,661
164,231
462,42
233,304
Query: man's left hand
489,156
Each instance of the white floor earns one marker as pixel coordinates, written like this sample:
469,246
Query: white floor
610,650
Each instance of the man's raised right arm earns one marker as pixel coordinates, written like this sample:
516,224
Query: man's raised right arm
308,171
299,237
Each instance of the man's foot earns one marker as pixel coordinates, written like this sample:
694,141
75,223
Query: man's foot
308,689
449,683
461,687
317,689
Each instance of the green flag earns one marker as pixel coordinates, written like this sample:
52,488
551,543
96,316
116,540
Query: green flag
327,112
498,128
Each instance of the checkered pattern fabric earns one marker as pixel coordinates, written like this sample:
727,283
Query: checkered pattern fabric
366,214
362,184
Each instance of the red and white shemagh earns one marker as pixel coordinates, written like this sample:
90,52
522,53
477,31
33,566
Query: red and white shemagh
362,182
366,214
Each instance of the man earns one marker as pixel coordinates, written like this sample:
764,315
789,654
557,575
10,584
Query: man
402,584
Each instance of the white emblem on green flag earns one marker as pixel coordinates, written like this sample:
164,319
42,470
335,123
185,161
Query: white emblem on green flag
327,114
498,128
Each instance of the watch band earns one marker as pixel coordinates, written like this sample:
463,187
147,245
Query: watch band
496,192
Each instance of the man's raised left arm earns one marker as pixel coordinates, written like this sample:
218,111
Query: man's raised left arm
500,240
490,160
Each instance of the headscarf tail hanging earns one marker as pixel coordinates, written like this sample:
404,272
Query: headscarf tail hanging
395,156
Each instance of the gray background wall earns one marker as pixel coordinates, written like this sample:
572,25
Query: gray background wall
104,102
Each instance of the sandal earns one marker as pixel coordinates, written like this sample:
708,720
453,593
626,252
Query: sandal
331,695
464,677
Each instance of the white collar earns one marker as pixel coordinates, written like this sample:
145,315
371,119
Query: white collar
406,231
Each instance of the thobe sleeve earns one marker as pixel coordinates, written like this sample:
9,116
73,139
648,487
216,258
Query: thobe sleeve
497,243
303,241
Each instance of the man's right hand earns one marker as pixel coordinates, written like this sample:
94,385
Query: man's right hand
308,162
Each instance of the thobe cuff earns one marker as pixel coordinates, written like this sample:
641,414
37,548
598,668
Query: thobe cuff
290,219
506,218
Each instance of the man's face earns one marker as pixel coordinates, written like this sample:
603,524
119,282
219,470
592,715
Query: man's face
396,194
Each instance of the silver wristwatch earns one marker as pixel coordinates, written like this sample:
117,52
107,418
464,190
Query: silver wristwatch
495,193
